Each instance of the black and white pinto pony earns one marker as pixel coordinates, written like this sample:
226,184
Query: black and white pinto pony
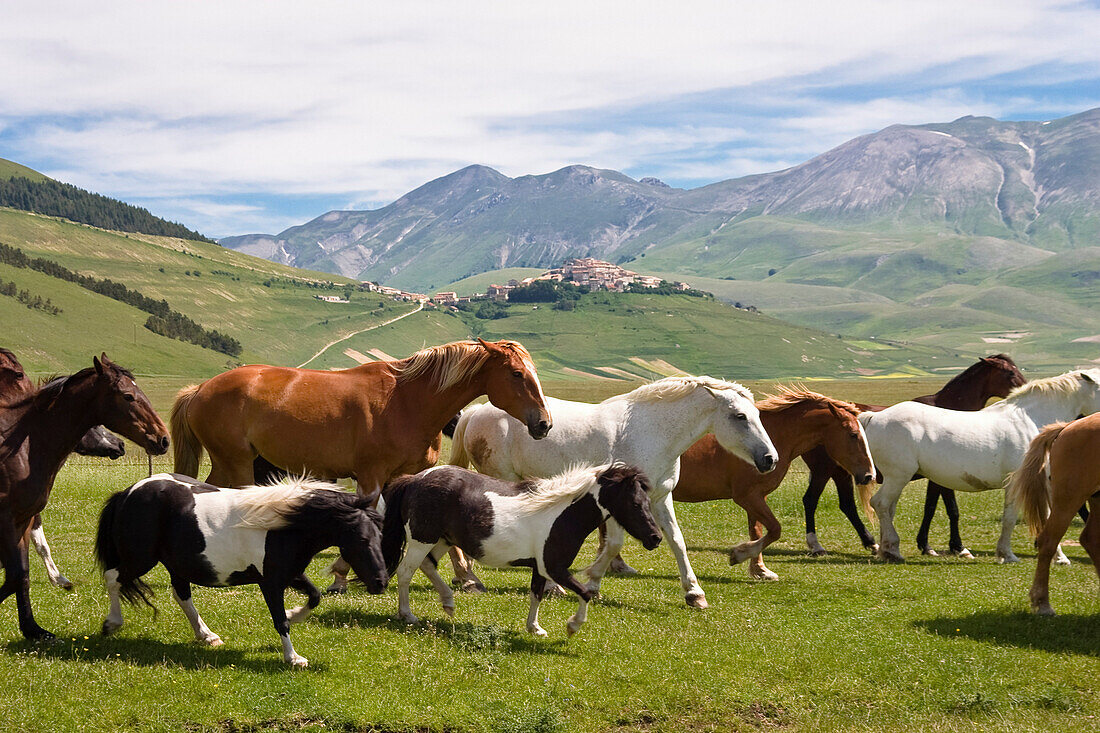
540,524
215,537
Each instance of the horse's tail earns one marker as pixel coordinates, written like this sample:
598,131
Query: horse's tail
108,557
186,448
1028,486
459,456
393,525
449,428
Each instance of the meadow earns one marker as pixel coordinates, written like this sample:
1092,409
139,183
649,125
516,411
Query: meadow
841,642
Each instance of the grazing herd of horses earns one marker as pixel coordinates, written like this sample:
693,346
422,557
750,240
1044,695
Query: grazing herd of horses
549,472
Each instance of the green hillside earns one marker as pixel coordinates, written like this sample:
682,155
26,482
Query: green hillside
10,169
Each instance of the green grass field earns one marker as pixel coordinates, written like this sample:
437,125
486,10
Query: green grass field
838,643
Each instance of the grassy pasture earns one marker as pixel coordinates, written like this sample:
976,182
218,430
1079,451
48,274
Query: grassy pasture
838,643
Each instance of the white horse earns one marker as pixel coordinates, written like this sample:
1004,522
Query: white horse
649,428
969,451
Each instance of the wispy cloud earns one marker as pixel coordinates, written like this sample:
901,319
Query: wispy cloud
221,115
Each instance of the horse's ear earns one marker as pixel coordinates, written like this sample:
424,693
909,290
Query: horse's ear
488,346
98,364
1088,377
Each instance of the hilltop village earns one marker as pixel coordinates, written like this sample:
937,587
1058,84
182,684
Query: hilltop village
584,272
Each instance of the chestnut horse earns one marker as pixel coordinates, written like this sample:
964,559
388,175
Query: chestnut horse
992,376
797,421
1060,471
371,422
37,433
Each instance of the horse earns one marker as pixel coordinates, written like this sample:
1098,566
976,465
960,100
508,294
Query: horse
969,451
797,421
991,376
1059,473
372,422
649,428
98,441
540,524
37,433
264,535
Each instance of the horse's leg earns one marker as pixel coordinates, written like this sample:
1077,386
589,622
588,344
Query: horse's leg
17,580
538,586
666,520
1047,542
615,538
431,569
1008,522
273,595
846,496
819,463
465,578
231,468
1090,539
951,504
181,591
565,579
414,557
303,585
759,513
885,502
113,622
38,538
931,501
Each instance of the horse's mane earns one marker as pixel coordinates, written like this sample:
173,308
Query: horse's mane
790,396
270,507
452,363
1065,384
569,485
674,388
977,366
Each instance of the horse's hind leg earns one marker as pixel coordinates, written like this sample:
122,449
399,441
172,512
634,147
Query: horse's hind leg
302,584
846,496
951,504
17,580
42,547
1090,537
1047,542
430,567
181,591
415,553
931,501
465,578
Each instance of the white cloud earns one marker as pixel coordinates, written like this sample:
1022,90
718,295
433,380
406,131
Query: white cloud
190,100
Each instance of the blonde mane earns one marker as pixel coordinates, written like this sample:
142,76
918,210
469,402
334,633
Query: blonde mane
790,396
1063,384
267,507
569,485
452,363
674,388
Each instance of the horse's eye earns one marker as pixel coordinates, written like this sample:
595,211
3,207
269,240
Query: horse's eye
517,373
128,397
741,416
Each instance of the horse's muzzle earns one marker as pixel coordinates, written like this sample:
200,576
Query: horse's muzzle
652,541
157,446
116,453
766,462
540,429
865,479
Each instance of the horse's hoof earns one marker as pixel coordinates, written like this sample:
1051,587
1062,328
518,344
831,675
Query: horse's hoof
337,589
537,631
696,600
620,567
819,552
572,627
38,634
449,610
873,548
764,575
1044,610
299,662
110,628
929,551
1007,559
893,558
469,586
1061,560
407,618
213,641
65,584
553,589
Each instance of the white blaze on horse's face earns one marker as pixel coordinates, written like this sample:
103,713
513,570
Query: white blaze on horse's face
738,429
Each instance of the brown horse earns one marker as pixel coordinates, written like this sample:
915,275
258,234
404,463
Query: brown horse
372,422
991,376
37,433
797,421
1067,453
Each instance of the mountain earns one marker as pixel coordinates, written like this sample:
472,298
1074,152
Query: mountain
1005,192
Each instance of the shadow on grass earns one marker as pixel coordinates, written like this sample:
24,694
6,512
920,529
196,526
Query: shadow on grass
463,635
153,653
1072,633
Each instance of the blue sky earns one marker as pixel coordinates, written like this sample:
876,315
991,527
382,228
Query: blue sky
251,117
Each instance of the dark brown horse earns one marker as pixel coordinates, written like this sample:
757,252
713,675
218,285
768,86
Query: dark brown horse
98,441
797,421
992,376
37,433
373,422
